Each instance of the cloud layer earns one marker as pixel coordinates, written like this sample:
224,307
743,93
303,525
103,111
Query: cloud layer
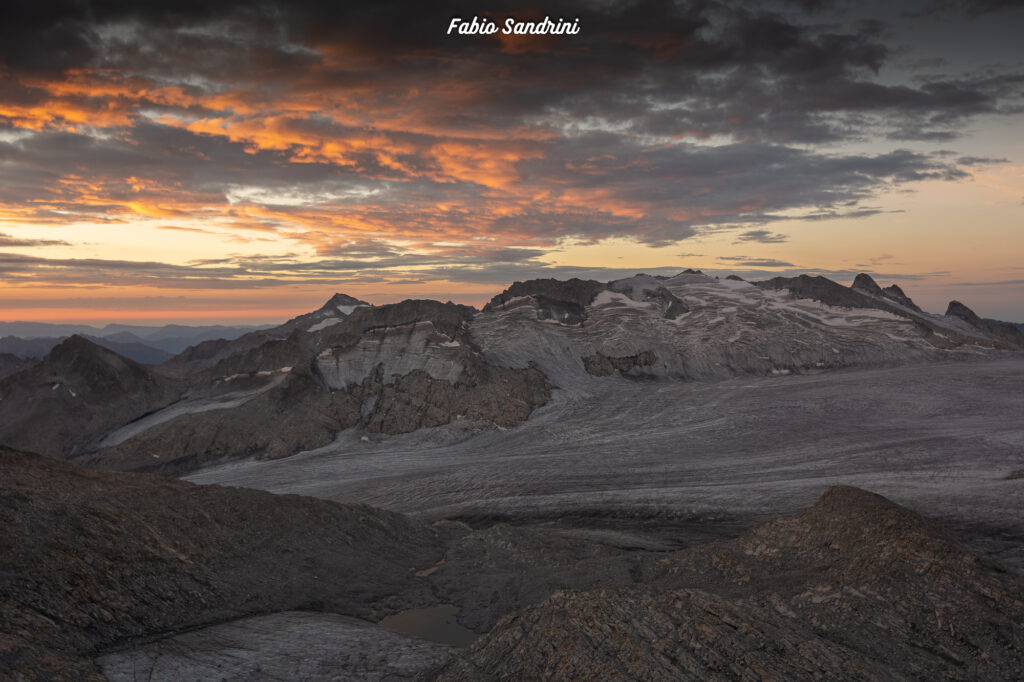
378,146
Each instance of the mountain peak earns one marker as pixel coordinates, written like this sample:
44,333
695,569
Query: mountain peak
863,282
894,293
958,309
339,301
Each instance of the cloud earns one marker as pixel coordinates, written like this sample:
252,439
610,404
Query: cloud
7,240
756,262
374,145
761,236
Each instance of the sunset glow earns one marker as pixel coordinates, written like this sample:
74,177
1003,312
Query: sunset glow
244,163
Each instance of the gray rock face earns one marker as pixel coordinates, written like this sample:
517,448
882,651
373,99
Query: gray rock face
854,587
130,555
293,645
562,301
499,395
388,369
819,289
294,413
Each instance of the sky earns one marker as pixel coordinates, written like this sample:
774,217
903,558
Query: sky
239,162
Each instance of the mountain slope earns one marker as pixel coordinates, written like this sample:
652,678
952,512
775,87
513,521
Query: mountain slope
78,392
12,364
389,369
129,555
397,368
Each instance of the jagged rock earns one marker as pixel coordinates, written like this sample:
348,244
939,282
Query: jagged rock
337,308
499,395
645,288
958,309
77,393
864,282
448,318
562,301
130,555
1001,331
894,293
601,365
819,289
854,587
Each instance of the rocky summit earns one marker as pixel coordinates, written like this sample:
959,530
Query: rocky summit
853,588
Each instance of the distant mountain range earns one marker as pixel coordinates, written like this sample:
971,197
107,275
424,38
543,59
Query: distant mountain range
397,368
148,345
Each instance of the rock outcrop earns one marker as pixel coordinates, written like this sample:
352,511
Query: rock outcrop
129,555
864,283
601,365
853,588
562,301
647,289
894,293
1002,331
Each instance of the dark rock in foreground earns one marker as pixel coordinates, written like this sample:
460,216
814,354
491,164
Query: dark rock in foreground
91,559
853,588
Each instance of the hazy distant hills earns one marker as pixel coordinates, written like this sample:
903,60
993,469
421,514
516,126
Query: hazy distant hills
148,344
397,368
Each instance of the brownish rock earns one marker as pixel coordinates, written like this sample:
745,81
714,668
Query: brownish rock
855,587
91,558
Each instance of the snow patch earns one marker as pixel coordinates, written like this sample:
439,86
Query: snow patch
324,324
615,298
347,309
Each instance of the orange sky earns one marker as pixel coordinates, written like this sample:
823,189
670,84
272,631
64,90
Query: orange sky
141,182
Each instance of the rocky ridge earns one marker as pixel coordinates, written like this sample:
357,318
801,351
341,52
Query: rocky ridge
855,587
130,555
397,368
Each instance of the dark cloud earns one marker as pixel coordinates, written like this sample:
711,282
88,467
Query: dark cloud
362,131
762,236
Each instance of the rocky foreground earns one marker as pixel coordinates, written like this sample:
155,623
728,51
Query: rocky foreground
106,573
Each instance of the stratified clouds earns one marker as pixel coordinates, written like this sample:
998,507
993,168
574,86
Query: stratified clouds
7,240
761,236
374,143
